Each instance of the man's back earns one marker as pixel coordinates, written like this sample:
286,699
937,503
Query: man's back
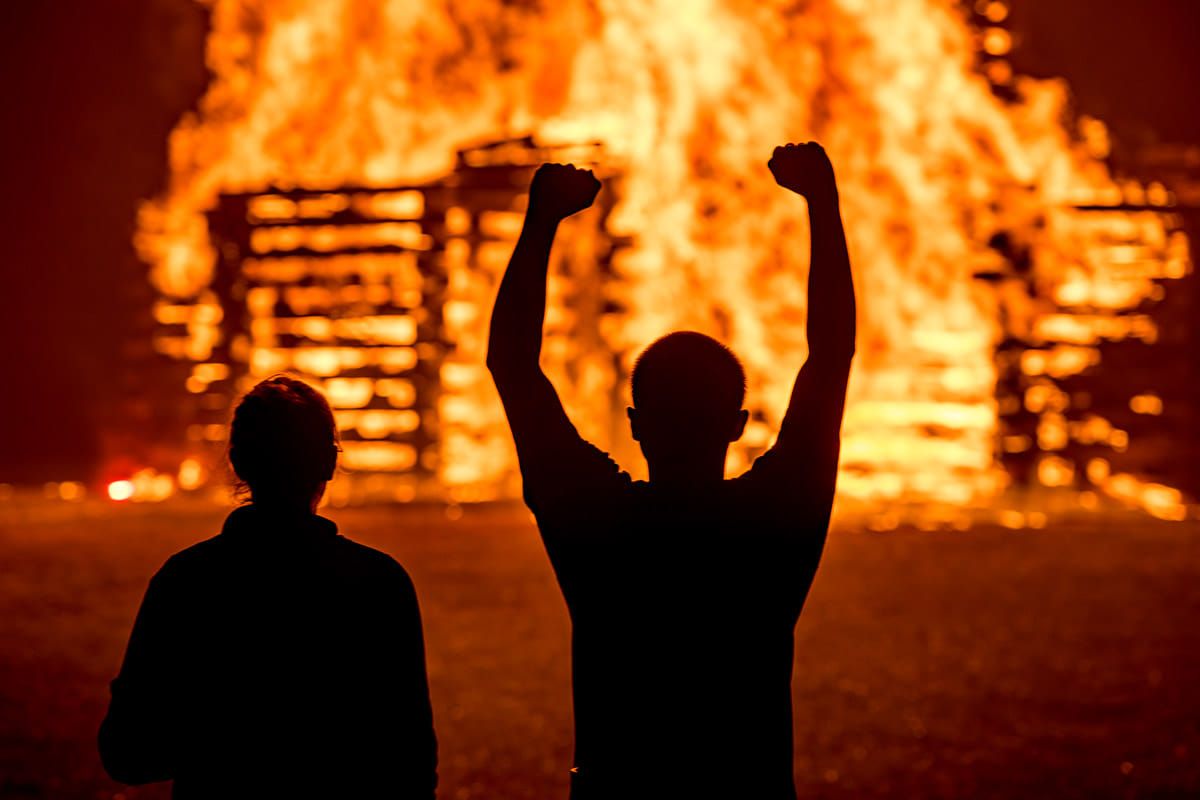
276,657
683,606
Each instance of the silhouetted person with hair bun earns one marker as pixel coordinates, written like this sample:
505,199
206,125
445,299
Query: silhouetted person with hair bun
278,658
684,591
283,444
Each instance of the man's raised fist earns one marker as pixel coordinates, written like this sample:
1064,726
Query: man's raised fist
803,168
560,190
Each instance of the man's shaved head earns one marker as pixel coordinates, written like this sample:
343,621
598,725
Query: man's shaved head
687,386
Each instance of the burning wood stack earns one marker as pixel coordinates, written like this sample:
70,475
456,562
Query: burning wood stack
1090,392
381,297
1011,285
1083,370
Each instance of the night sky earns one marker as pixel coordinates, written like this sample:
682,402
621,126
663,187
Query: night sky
91,90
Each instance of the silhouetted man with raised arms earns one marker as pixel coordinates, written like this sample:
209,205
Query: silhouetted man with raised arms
683,591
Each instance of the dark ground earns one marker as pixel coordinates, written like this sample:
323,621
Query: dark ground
1054,664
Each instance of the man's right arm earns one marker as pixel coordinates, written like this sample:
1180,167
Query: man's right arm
554,459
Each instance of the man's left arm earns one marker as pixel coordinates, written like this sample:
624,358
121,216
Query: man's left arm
803,462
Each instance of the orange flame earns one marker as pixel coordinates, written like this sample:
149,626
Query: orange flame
690,100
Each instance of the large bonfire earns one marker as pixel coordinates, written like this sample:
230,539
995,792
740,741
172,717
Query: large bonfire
689,99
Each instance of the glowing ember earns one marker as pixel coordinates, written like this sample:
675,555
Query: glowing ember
943,181
120,490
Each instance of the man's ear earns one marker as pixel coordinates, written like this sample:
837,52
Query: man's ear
330,462
631,412
740,428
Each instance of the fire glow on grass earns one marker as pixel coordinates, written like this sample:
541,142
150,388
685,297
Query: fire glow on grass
689,100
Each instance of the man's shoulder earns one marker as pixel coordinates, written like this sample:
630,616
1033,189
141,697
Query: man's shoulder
584,463
573,486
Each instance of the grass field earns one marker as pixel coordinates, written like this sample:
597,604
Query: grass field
1061,663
